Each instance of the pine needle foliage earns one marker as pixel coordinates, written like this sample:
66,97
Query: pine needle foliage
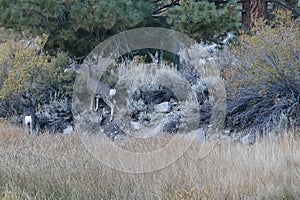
203,20
74,25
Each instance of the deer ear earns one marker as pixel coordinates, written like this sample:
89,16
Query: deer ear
156,55
151,56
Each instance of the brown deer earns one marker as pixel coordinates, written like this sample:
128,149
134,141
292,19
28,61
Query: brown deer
97,89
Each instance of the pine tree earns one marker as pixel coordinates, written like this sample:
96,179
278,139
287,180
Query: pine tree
74,25
203,20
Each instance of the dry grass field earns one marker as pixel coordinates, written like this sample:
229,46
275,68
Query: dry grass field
60,167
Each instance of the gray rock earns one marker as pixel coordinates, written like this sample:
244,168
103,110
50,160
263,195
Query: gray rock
68,130
227,131
225,138
136,125
171,123
164,107
198,135
248,139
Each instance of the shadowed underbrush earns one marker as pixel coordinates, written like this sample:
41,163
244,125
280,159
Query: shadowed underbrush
60,167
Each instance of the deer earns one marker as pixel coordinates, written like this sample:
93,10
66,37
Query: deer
97,89
30,120
154,58
29,116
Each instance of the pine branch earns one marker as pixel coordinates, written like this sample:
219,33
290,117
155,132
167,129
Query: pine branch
165,7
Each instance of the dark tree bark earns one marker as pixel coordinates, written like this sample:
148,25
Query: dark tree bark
252,11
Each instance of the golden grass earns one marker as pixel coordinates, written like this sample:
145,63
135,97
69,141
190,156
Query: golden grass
60,167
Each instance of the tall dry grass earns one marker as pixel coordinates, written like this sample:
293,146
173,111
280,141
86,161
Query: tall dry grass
60,167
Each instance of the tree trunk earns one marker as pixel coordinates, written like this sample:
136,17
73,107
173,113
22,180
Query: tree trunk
252,11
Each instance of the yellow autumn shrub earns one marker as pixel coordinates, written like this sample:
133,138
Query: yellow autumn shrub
268,55
25,67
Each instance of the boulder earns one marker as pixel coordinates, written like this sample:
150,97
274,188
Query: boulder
68,130
248,139
164,107
198,135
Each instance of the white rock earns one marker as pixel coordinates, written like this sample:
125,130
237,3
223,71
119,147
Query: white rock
135,125
163,107
226,131
248,139
68,130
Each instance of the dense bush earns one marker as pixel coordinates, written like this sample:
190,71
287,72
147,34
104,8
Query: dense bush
26,69
265,83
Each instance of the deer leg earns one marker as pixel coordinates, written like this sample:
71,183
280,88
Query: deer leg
92,102
112,106
97,103
27,123
31,129
112,111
